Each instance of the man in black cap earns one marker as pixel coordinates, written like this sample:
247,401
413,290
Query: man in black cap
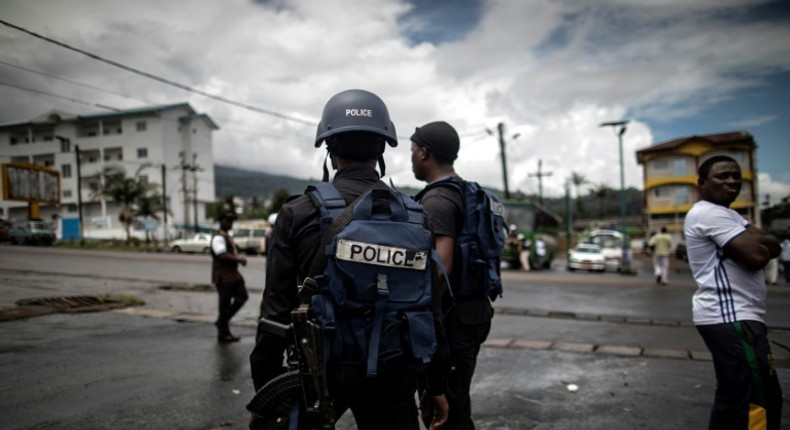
226,277
434,149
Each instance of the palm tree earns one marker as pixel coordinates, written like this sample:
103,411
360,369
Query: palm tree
578,180
124,190
601,192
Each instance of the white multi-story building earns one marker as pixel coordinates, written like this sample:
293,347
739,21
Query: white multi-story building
138,141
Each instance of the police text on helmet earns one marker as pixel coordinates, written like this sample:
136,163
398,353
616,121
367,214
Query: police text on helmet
360,112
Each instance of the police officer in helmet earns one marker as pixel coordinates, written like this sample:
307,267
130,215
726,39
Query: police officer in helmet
356,127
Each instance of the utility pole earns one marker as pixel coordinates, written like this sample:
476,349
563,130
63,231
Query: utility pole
619,128
195,168
540,174
79,192
183,167
164,202
501,132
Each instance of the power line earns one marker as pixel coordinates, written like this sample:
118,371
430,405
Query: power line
71,99
158,78
49,75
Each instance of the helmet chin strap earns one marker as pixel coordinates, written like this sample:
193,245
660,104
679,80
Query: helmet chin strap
381,164
326,170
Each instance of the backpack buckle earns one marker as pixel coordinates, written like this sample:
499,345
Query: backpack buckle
381,286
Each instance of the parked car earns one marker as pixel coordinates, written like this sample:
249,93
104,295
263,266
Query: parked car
251,240
200,242
31,233
586,256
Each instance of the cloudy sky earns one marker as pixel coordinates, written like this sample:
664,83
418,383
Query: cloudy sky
550,70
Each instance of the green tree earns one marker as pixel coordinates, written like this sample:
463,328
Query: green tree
278,200
127,191
578,179
601,192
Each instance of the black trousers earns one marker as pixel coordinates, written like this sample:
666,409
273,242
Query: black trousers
232,296
386,402
746,379
464,341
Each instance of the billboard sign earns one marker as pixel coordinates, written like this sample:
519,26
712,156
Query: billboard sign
28,182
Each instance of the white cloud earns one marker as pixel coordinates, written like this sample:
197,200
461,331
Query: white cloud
776,191
552,71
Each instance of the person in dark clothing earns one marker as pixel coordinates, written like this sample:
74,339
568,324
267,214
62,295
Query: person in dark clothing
467,322
356,127
226,277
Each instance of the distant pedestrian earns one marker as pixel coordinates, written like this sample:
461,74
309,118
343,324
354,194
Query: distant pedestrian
540,253
785,259
523,254
226,277
772,271
727,256
661,246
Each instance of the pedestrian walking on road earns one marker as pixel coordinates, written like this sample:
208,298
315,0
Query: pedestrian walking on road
226,277
661,246
727,256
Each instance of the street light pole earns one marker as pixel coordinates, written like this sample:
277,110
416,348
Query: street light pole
619,128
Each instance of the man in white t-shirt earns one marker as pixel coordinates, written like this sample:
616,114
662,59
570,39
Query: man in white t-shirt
727,256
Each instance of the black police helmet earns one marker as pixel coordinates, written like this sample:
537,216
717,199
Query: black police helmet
355,110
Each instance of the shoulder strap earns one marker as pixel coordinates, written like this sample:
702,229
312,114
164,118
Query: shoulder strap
449,181
339,220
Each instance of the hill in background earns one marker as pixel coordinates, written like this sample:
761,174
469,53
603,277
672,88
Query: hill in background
232,181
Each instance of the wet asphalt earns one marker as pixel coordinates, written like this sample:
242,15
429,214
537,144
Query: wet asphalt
158,366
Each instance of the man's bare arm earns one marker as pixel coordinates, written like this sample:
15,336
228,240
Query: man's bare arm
753,248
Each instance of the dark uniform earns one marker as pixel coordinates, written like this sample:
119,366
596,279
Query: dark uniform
384,402
468,321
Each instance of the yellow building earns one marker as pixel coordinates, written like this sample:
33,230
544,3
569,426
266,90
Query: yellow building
670,177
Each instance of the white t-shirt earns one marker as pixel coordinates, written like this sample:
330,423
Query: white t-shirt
726,291
218,244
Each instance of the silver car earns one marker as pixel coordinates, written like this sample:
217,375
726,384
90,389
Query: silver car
586,256
200,242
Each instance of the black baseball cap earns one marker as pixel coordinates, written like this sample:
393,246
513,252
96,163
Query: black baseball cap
439,137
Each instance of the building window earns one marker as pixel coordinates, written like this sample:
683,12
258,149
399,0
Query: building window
679,167
143,179
14,140
141,126
142,152
65,145
681,195
65,170
660,164
660,192
66,194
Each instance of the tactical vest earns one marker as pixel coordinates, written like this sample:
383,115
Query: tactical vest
375,291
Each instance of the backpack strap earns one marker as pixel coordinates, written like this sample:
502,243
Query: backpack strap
335,213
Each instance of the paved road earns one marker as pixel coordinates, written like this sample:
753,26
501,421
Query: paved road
157,366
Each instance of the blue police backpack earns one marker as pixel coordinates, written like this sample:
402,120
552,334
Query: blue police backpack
480,242
375,292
